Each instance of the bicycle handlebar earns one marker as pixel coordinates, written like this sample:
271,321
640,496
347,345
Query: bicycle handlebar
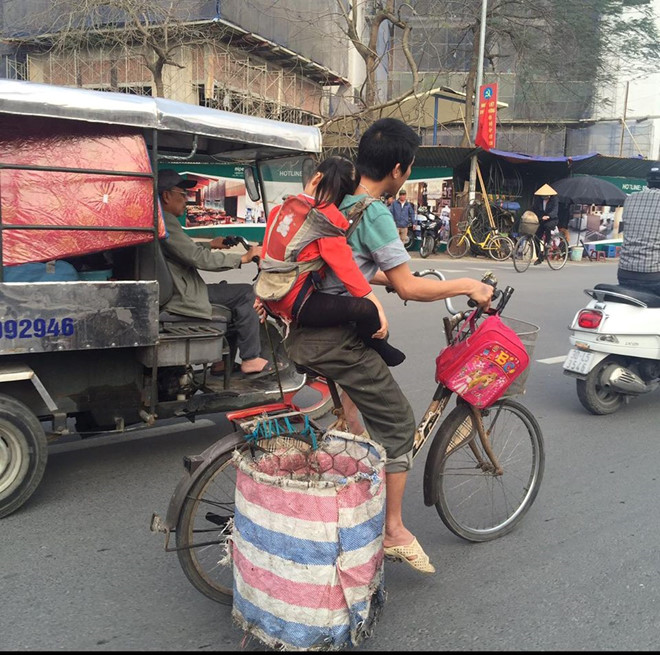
503,295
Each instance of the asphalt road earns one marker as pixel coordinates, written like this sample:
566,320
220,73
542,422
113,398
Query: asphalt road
81,571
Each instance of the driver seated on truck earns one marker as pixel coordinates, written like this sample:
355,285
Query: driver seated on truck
192,296
639,258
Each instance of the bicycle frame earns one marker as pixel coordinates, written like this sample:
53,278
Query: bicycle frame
463,474
492,232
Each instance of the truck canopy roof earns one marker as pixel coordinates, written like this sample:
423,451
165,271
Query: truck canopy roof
220,135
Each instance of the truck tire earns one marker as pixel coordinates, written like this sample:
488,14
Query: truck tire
23,454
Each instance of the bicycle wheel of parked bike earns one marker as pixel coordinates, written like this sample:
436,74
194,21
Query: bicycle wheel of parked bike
458,246
557,252
523,251
500,248
474,500
205,522
427,246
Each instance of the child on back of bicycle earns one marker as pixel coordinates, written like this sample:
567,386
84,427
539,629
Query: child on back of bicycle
546,206
333,179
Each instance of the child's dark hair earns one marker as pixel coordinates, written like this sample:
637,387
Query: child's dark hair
385,144
340,177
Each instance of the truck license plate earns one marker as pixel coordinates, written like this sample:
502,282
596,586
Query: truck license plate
578,361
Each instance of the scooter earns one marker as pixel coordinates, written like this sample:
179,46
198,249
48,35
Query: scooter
615,352
432,231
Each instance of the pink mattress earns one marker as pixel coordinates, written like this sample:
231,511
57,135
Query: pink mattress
72,199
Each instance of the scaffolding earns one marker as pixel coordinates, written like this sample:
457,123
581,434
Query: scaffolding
218,76
244,84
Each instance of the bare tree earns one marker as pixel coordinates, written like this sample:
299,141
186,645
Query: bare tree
149,31
552,46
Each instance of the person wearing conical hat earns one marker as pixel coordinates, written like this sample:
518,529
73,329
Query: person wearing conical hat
546,206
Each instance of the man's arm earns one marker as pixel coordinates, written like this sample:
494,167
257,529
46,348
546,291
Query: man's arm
423,289
181,247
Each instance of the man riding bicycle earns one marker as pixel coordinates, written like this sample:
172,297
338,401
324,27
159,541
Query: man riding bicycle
546,207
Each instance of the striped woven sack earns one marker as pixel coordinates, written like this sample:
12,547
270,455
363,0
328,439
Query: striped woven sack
307,543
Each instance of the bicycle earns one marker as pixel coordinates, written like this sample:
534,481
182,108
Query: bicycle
482,472
556,252
498,246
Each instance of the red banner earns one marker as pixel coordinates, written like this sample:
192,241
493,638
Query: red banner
487,116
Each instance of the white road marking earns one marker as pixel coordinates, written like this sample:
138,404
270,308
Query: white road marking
552,360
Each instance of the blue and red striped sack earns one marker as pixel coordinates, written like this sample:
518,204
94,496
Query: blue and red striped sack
307,543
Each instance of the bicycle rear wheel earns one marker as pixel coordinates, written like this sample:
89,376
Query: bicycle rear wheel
204,524
557,252
523,251
458,246
500,248
474,501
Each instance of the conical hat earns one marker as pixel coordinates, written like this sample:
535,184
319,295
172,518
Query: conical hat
545,190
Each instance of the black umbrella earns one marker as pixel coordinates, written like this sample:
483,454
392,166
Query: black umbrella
588,190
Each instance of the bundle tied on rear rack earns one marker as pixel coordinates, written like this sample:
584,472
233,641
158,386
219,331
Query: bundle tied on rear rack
307,542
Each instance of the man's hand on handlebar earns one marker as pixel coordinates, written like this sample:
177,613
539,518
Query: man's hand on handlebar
221,243
252,251
252,255
482,294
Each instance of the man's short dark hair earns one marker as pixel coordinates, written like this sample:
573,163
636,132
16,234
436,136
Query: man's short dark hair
385,144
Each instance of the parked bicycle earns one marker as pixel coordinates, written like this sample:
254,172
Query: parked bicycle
483,469
529,245
498,246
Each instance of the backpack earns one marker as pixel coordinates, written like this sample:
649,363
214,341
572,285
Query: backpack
296,225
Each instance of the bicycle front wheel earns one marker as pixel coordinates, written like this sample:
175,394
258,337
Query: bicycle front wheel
474,501
500,248
557,253
523,252
458,246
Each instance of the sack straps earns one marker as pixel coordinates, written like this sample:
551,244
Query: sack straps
355,215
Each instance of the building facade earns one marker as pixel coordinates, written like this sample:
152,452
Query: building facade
292,60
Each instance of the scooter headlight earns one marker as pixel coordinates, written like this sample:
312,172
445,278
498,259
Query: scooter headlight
590,319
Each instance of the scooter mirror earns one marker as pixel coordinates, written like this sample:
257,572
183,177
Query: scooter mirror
251,185
308,168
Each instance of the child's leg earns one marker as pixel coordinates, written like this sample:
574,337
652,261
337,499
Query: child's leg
327,310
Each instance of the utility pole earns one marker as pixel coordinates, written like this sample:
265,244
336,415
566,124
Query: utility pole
475,114
623,120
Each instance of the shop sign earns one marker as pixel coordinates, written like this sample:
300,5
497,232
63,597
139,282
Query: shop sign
626,184
230,171
430,172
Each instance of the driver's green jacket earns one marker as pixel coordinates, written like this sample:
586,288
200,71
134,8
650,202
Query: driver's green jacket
184,256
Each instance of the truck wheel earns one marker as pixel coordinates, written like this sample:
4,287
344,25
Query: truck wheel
23,454
595,396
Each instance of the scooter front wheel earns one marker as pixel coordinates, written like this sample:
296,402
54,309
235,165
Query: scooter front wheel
410,239
427,246
593,393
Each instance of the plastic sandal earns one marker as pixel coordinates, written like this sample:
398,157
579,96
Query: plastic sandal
420,560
